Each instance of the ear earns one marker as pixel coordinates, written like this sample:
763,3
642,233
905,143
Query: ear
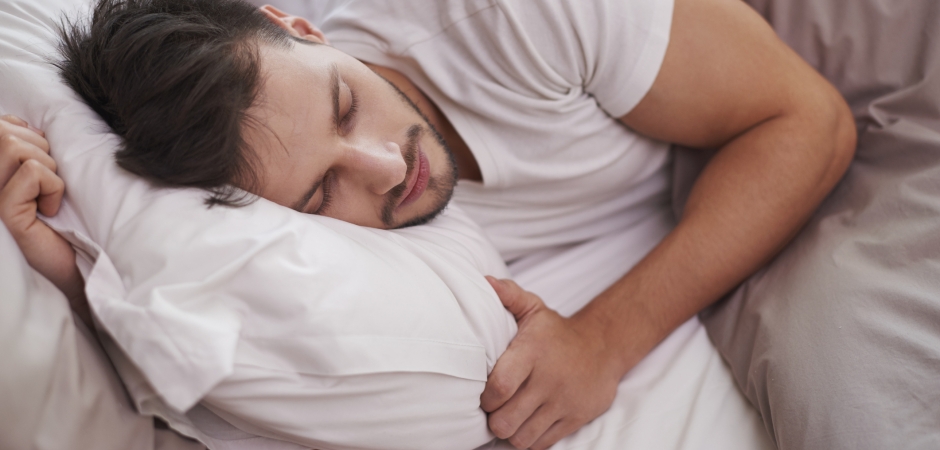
296,26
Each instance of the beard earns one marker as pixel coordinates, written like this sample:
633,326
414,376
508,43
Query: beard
440,188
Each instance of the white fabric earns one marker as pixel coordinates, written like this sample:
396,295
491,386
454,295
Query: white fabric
289,325
531,86
358,339
273,315
571,195
57,389
681,396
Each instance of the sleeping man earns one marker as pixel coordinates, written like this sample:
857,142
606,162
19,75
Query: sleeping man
546,121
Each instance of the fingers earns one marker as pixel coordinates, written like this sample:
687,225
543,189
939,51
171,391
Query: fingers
14,120
511,370
518,301
19,143
527,394
535,427
15,151
32,186
14,125
51,190
28,184
515,365
20,123
505,421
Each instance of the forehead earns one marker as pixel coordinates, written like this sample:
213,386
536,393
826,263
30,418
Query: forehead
294,95
291,77
291,114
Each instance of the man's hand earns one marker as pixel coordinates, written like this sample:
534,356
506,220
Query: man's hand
554,377
784,138
29,184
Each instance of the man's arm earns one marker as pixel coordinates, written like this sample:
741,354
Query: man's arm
28,185
785,137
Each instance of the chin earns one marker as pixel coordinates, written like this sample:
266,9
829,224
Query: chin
440,192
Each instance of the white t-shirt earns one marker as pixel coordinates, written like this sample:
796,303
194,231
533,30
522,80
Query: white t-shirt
534,88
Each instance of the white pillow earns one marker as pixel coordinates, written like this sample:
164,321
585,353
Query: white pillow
291,326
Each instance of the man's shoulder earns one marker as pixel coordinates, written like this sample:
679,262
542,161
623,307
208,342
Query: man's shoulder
396,24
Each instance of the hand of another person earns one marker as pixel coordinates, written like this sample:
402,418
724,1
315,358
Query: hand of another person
29,184
554,377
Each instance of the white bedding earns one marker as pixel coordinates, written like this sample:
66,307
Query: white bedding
182,317
680,397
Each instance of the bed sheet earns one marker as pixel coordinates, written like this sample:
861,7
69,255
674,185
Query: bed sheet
682,395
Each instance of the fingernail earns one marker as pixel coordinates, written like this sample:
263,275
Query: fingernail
35,130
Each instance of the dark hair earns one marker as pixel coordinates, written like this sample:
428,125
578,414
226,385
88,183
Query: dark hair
174,79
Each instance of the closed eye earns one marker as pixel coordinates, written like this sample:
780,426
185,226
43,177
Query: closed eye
327,186
342,120
345,123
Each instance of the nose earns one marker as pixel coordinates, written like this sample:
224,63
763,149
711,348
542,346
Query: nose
379,166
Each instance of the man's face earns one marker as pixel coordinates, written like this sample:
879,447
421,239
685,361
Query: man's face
334,138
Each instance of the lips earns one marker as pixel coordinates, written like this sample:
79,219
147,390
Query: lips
419,183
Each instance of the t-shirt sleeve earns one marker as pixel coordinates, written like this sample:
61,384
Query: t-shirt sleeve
626,44
612,48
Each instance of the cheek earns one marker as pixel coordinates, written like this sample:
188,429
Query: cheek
285,192
354,206
386,108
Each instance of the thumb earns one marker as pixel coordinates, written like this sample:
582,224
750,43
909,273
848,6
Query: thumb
519,302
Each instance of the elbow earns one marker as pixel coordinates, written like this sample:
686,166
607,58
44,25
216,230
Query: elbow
845,139
834,134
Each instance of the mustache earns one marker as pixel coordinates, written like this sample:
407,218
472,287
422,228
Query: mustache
410,155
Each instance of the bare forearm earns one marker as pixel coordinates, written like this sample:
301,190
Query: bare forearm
749,202
53,257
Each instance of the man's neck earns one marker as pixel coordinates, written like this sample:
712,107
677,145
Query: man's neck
467,166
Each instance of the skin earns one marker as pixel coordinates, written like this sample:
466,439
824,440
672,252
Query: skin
352,159
29,184
784,138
